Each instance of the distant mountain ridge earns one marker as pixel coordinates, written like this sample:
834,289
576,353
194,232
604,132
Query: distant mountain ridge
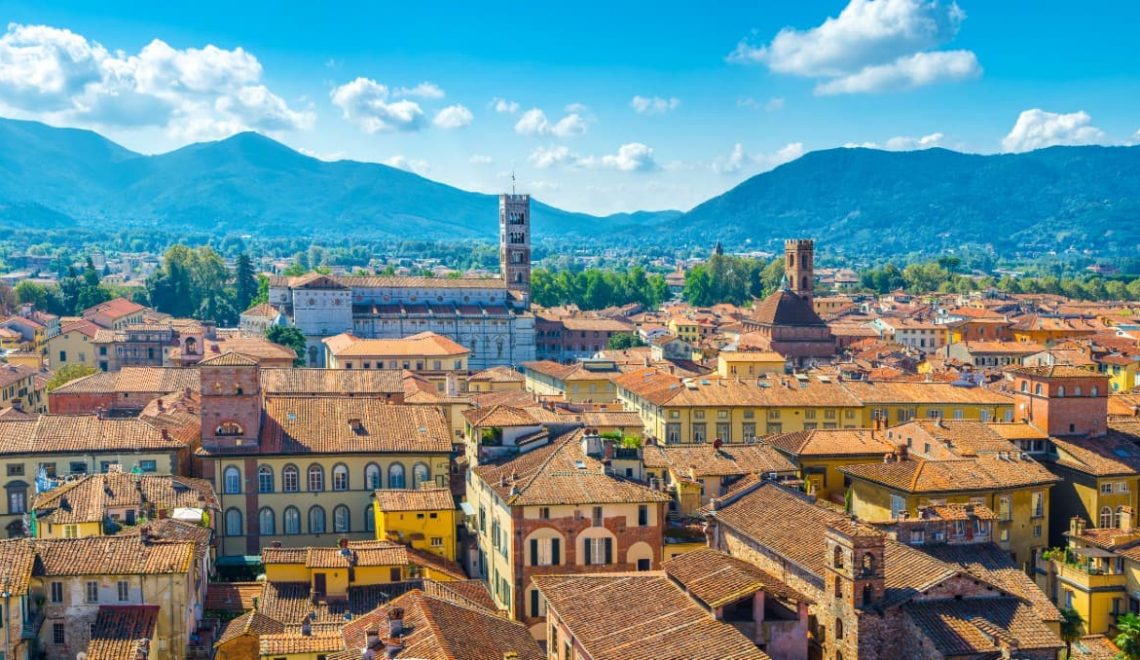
851,200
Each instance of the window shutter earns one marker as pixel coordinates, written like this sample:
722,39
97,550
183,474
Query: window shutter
586,543
554,559
534,552
609,551
534,602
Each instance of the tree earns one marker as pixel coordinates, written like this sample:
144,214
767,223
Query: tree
43,298
245,283
1128,636
67,374
1072,627
623,340
289,337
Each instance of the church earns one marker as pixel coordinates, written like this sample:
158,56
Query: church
786,321
490,316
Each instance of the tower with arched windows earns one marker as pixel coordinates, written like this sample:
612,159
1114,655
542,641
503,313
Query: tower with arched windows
514,241
231,401
799,266
854,584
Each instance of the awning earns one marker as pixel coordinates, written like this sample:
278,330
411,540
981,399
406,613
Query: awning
467,508
238,560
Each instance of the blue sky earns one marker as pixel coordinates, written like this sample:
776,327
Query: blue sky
600,107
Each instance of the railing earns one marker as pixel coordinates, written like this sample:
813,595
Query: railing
31,627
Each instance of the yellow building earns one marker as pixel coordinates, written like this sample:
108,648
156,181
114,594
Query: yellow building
892,403
584,381
685,329
495,379
72,345
10,340
694,475
423,519
22,387
749,364
819,454
1121,370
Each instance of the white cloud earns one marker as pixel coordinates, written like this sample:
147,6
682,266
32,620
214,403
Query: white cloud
544,157
60,76
420,167
872,45
632,157
480,159
534,122
504,107
453,116
902,143
1037,128
365,103
771,105
424,90
907,72
644,105
739,159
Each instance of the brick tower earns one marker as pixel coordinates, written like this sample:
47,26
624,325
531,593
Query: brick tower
1061,400
854,585
231,401
514,241
799,266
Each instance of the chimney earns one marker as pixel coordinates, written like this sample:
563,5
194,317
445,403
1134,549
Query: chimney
904,452
372,639
395,622
161,405
1076,526
306,628
608,449
165,434
100,413
1126,519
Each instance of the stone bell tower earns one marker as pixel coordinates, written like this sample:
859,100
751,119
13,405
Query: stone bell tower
854,585
799,266
514,241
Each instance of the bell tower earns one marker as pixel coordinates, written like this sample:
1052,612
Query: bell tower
799,266
231,401
854,584
514,241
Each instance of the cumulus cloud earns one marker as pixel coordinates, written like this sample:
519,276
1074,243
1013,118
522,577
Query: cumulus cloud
871,46
424,90
655,105
739,159
534,122
902,143
420,167
58,75
544,157
480,159
366,103
632,157
504,107
1037,128
771,105
453,116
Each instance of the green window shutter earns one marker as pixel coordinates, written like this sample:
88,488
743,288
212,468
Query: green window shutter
586,543
554,558
534,602
609,551
534,552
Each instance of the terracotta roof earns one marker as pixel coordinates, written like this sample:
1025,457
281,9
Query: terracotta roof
16,561
982,473
706,460
786,308
158,380
345,382
250,623
14,373
496,375
952,438
361,554
832,442
472,592
561,473
994,565
293,641
427,344
873,393
499,416
82,433
599,325
1054,371
1095,647
422,499
120,631
229,359
718,579
657,619
321,425
264,310
112,310
342,281
112,555
580,370
1113,454
90,498
231,596
662,388
980,626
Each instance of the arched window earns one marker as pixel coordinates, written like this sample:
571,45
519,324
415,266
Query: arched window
1024,386
804,283
1095,391
266,522
791,259
868,564
838,559
372,476
265,479
341,519
290,479
316,478
1077,390
228,429
838,587
396,476
369,520
340,477
1106,517
1060,391
233,522
292,520
316,520
1037,390
839,629
232,480
420,474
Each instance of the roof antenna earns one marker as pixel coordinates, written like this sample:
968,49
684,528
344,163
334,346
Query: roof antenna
512,181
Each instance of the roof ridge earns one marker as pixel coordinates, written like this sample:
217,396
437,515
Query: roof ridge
556,449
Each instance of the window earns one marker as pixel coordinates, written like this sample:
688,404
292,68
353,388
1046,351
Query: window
420,474
700,432
1004,510
1060,391
396,476
266,522
233,522
71,531
17,500
1105,517
341,519
340,477
316,520
839,629
369,520
124,591
642,515
58,635
437,542
77,467
232,480
57,592
544,552
91,593
316,478
265,479
292,520
372,476
598,517
544,513
290,479
1038,504
599,551
1106,488
898,505
837,557
148,466
15,469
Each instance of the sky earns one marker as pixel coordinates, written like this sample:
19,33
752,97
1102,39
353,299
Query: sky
600,107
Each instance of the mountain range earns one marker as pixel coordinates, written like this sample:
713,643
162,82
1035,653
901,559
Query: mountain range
852,200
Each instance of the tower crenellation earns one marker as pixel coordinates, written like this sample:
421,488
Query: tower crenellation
514,241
